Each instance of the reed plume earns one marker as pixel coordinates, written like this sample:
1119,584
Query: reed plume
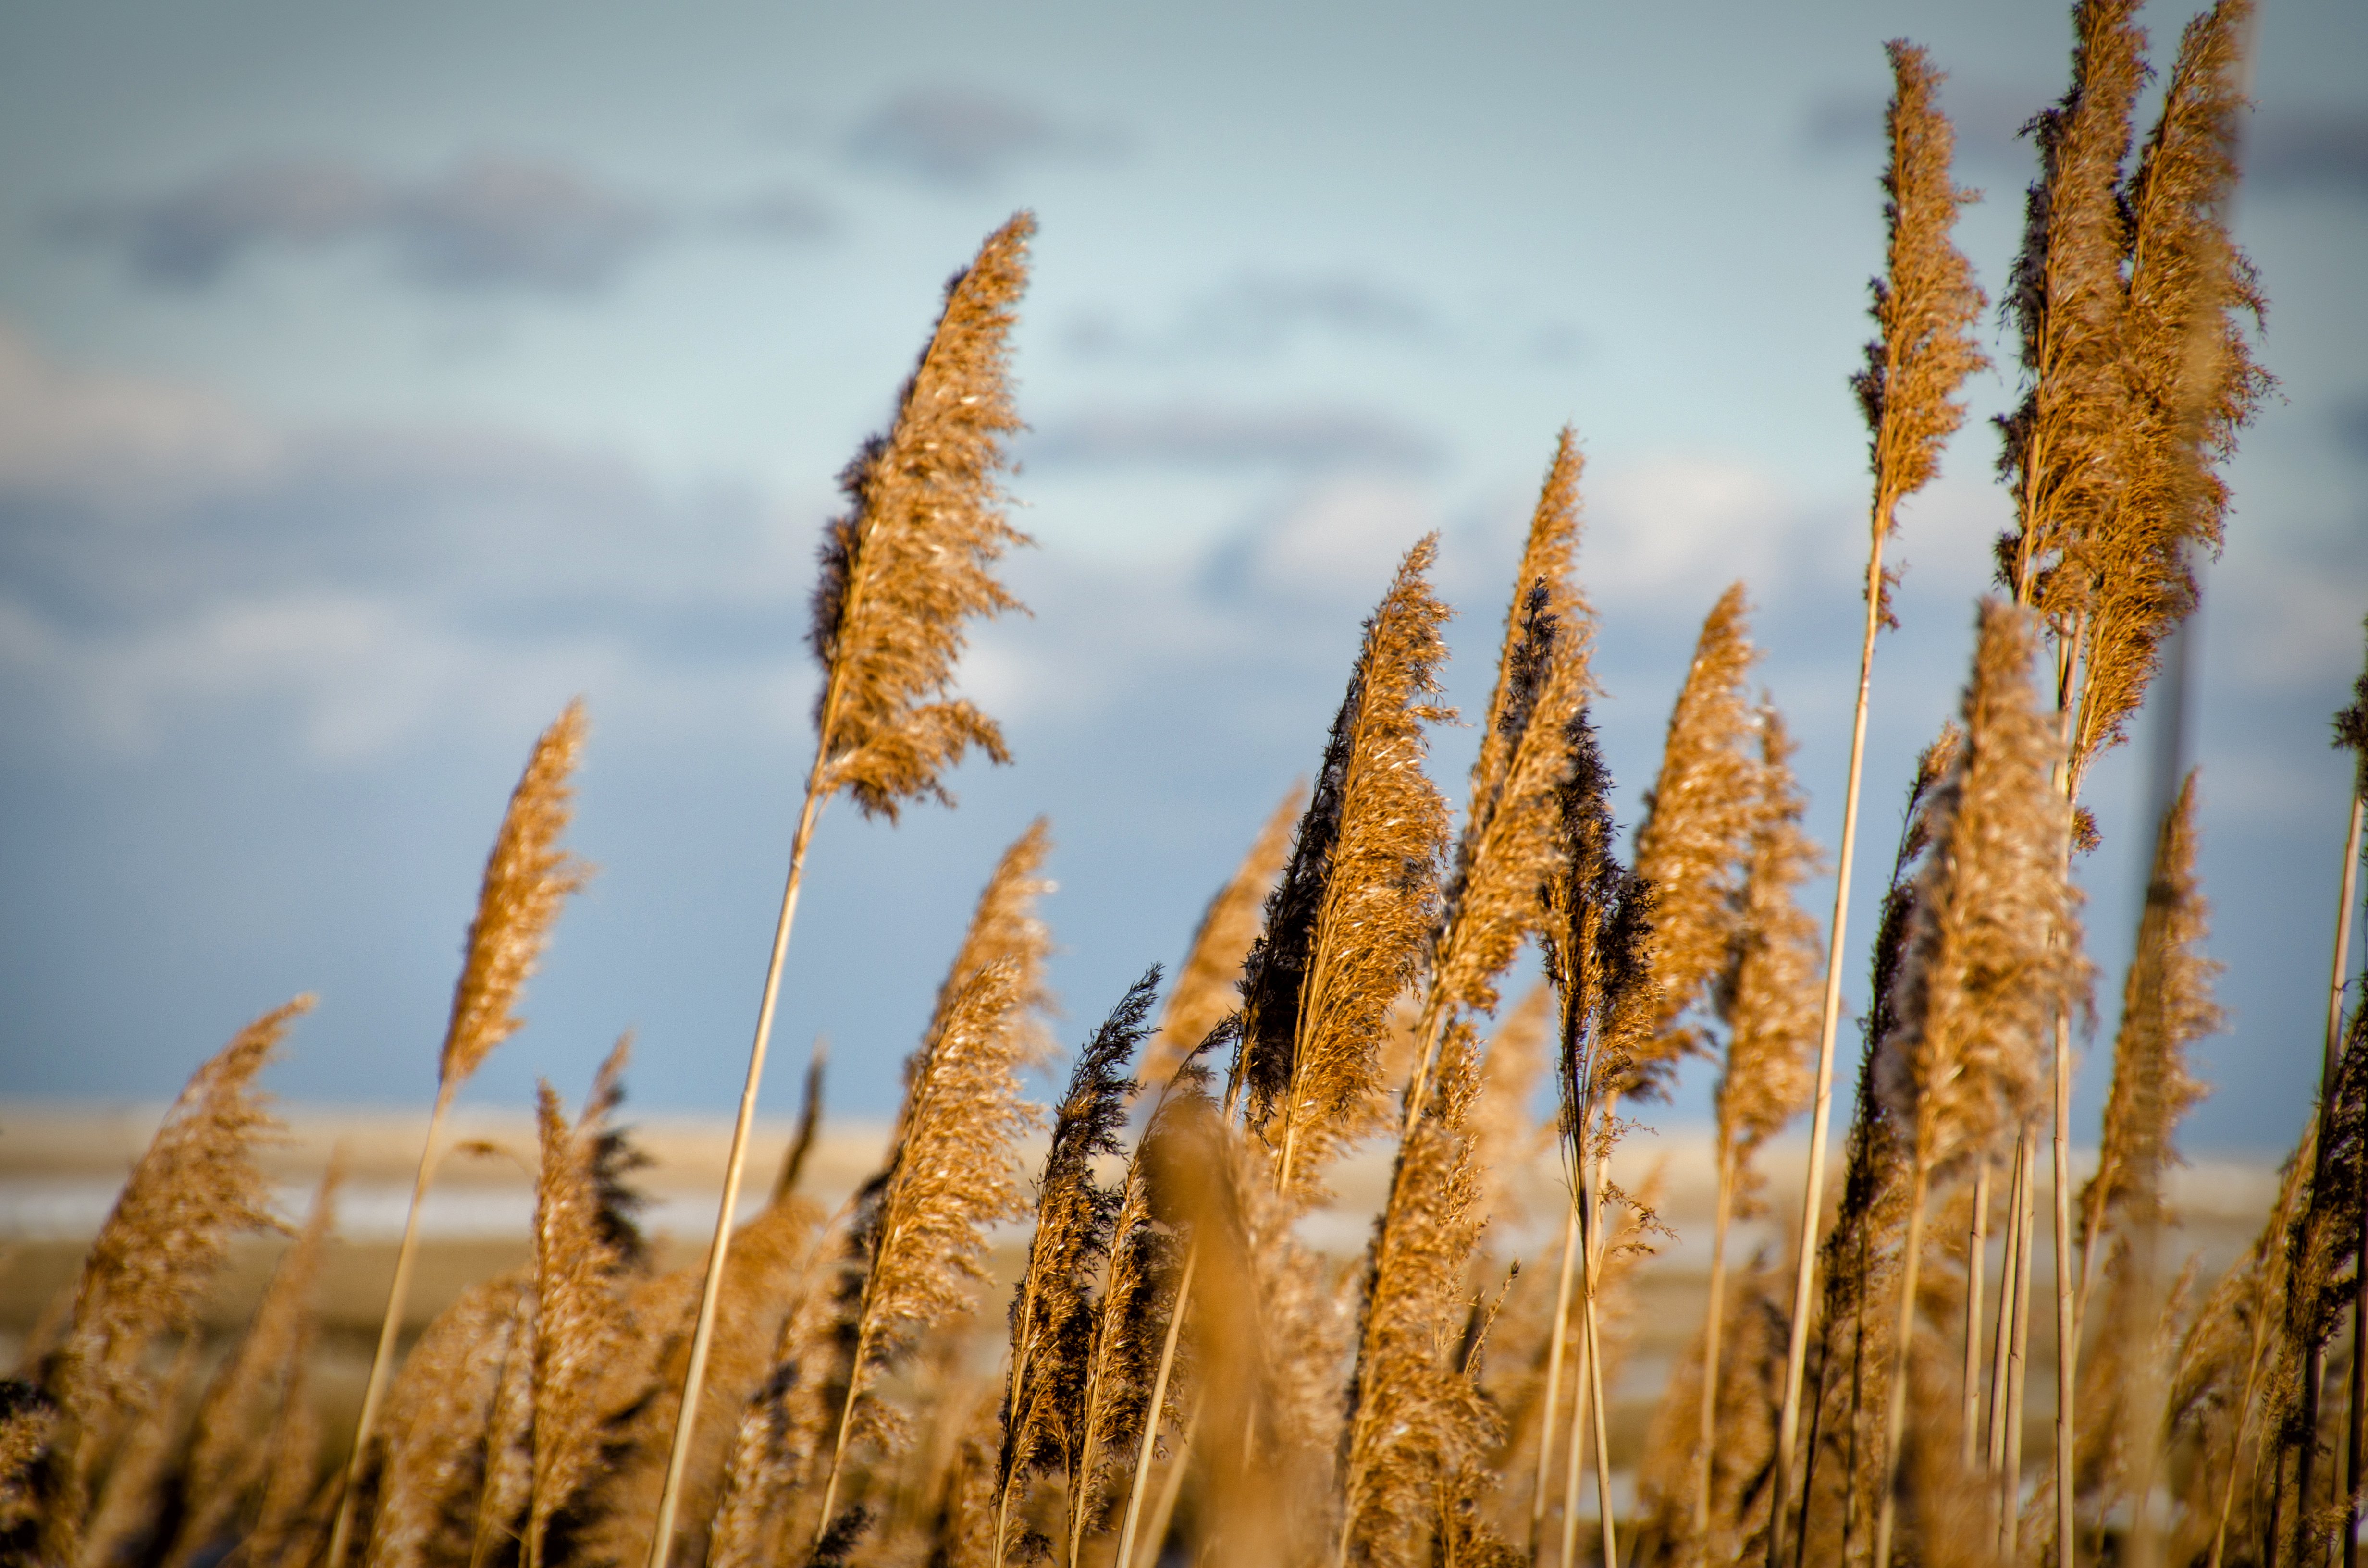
583,1254
2190,380
1052,1311
2065,297
1924,307
421,1483
2220,1382
31,1471
528,878
228,1459
1204,993
1125,1395
1509,845
1766,998
1992,959
1344,926
903,572
911,560
2167,1007
148,1269
127,1512
1414,1422
1697,829
194,1187
952,1172
1600,956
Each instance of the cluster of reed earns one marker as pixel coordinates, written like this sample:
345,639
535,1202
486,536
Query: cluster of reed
1179,1377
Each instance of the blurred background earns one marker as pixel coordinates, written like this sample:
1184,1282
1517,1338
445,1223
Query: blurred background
374,380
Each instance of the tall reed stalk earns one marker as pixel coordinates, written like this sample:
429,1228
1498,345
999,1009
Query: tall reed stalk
528,878
1924,306
902,571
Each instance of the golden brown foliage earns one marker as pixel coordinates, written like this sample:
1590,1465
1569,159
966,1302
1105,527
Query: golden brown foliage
527,877
2065,298
1924,303
2190,380
1768,995
229,1455
428,1462
1204,992
156,1255
582,1328
1416,1420
2167,1007
1698,821
1994,952
1053,1316
1344,927
910,561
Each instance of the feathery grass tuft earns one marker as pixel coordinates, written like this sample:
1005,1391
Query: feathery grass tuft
1204,993
1346,925
1052,1311
910,561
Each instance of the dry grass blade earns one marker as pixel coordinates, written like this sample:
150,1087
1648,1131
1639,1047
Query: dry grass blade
2191,382
227,1459
1697,827
1346,925
1205,992
146,1274
2065,298
910,561
1053,1311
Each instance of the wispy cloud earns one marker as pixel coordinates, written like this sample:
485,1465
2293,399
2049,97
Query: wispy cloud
494,221
1262,312
2285,147
952,135
1219,436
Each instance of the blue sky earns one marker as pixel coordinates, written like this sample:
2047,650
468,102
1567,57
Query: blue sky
373,380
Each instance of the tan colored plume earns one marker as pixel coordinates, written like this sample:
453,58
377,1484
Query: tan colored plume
909,561
228,1456
2190,382
582,1329
1696,834
1994,950
2065,296
148,1270
528,878
1925,304
1204,991
1378,897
